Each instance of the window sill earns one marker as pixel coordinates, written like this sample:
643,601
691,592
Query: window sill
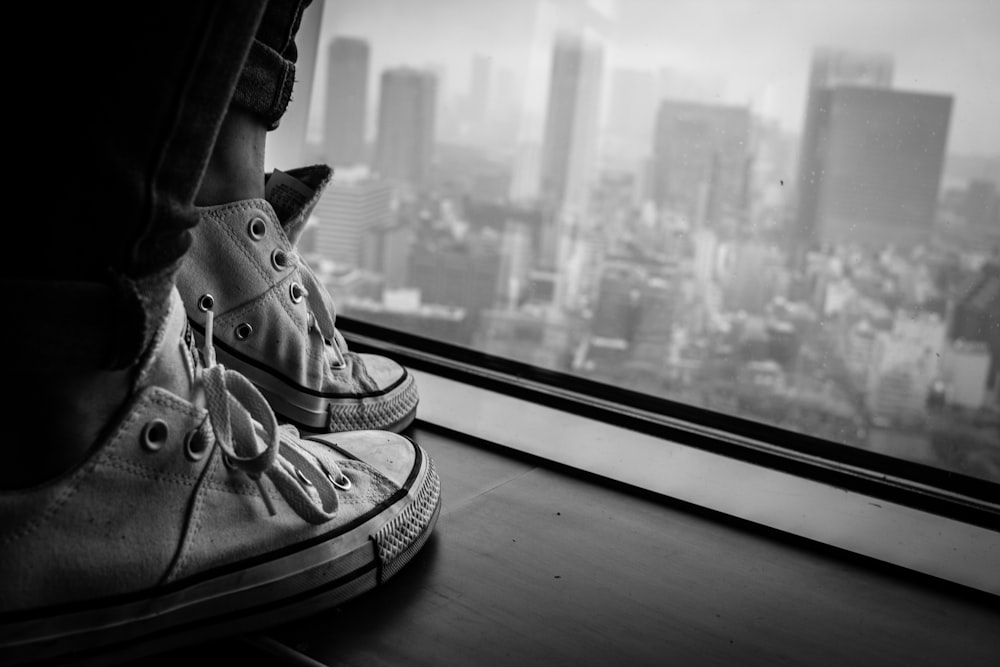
918,540
915,517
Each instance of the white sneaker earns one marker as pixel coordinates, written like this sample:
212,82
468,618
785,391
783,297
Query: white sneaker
275,323
199,516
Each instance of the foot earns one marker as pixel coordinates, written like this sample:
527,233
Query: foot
199,516
275,323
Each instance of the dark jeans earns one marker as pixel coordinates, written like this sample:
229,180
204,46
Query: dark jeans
118,110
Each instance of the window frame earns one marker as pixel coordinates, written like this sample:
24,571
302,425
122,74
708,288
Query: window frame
922,486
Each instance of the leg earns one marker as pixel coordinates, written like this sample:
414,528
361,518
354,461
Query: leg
190,514
236,168
114,183
274,321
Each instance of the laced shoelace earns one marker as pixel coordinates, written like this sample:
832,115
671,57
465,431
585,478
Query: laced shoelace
242,420
321,306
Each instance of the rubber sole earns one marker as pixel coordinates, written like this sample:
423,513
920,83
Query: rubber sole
392,409
295,582
393,412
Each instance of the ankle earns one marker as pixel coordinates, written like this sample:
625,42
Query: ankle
236,168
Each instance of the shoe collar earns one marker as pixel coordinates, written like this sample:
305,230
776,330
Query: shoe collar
298,200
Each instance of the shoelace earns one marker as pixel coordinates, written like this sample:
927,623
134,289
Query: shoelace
320,305
242,420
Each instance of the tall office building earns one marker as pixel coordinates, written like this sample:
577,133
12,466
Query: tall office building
659,300
352,205
829,68
615,306
463,274
516,255
405,142
346,101
702,154
973,317
391,246
877,165
571,122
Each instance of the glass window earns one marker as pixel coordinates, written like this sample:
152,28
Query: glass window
785,210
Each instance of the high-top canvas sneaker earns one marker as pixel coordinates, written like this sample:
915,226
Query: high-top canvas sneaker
275,322
199,516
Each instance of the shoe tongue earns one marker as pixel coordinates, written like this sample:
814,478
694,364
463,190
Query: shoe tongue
168,362
294,194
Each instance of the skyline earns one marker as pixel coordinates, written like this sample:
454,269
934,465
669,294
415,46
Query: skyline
680,273
937,47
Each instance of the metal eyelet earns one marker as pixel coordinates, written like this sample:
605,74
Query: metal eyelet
302,477
206,302
256,228
279,260
338,362
344,483
154,435
195,444
296,292
243,330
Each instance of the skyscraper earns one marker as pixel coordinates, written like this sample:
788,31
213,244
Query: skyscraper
405,143
973,317
656,316
617,296
391,251
837,67
701,157
877,165
571,122
463,274
829,68
352,205
346,101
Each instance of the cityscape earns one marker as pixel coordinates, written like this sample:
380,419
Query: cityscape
636,226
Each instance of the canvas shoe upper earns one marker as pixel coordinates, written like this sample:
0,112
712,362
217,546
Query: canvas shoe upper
198,515
274,320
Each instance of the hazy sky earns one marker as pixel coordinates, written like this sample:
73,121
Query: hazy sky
757,51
